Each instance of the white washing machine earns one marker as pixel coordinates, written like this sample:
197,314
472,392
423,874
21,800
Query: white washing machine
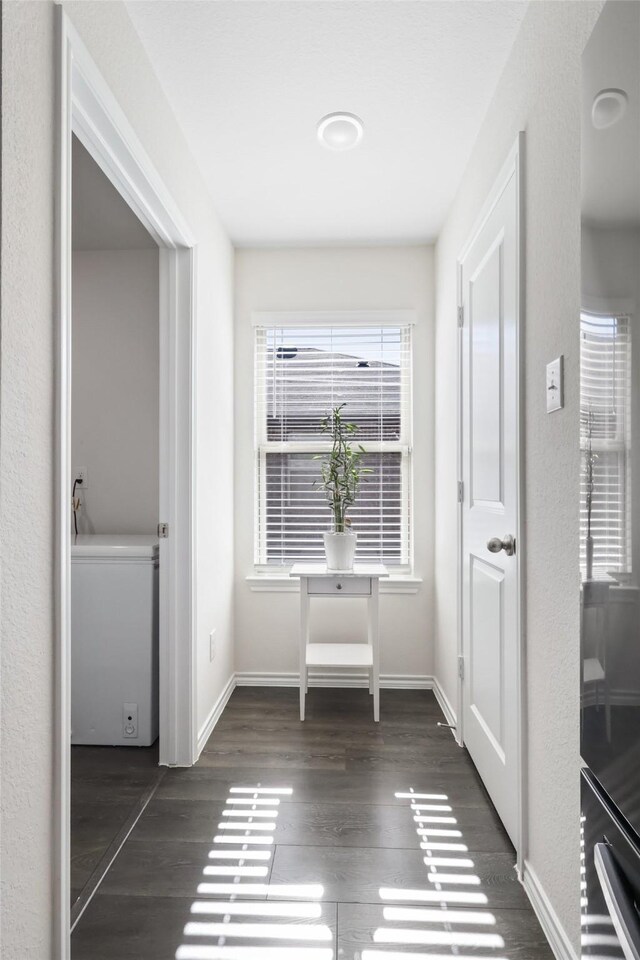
114,640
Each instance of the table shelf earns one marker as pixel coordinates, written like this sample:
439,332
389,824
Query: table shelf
339,655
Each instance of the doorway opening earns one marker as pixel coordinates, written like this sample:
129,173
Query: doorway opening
115,418
94,129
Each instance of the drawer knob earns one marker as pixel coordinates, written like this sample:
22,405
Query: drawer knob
338,586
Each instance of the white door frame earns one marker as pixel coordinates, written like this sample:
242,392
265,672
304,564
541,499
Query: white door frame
88,109
514,165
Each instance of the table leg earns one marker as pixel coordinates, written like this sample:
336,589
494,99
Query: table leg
374,640
304,639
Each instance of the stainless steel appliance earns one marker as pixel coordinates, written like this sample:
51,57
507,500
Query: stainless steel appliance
610,487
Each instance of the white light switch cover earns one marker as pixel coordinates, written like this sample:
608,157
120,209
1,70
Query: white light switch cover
555,385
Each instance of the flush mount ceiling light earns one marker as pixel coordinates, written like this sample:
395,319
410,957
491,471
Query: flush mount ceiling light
608,107
340,131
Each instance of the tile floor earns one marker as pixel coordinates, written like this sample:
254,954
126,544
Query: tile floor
336,839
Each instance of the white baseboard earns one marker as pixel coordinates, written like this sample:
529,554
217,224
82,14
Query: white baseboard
335,678
206,729
445,705
549,921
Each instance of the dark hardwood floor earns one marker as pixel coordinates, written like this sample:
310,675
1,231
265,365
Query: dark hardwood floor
107,786
336,838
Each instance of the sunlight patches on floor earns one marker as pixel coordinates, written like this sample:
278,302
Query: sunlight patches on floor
431,896
402,955
206,952
420,915
260,931
235,918
421,796
263,791
237,840
453,938
469,879
446,869
240,854
235,908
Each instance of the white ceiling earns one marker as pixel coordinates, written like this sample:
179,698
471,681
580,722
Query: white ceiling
101,220
248,82
610,176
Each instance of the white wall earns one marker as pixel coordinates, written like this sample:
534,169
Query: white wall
26,481
27,422
115,380
539,92
334,279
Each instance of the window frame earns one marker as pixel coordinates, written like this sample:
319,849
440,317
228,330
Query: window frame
265,320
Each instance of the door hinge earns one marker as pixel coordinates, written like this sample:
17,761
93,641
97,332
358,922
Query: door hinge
460,491
163,530
461,316
461,667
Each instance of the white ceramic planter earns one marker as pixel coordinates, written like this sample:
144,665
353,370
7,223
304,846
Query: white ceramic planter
340,550
589,545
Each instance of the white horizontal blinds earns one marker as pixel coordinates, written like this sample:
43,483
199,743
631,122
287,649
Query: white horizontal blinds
303,372
605,414
295,512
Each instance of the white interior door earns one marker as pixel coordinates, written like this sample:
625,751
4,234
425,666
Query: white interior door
490,682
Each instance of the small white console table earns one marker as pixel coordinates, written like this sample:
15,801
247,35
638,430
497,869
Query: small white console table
363,581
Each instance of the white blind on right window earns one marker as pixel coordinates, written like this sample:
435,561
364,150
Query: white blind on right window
605,427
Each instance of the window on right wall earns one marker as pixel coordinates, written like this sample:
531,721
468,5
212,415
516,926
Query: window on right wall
605,433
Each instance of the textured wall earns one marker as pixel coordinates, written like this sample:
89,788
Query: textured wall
115,415
26,479
26,422
335,279
539,92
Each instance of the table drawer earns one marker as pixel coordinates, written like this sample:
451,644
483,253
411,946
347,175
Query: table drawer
339,586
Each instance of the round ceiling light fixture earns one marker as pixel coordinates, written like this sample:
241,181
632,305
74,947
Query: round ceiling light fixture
340,131
608,107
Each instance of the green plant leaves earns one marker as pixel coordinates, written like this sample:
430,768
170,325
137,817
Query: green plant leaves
341,470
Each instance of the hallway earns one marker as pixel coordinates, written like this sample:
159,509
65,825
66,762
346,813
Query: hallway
302,841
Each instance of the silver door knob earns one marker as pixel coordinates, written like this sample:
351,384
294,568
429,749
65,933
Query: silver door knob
508,544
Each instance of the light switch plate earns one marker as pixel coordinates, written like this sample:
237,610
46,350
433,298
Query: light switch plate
555,385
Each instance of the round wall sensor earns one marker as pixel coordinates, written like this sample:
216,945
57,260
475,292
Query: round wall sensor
608,107
340,131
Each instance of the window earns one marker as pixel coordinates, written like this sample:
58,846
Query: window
605,413
304,369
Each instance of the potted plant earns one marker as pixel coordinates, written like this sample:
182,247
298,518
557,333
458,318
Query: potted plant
341,472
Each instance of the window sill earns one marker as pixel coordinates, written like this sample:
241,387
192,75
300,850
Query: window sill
283,583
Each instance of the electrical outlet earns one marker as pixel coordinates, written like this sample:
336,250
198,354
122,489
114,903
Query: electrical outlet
82,474
212,645
130,720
